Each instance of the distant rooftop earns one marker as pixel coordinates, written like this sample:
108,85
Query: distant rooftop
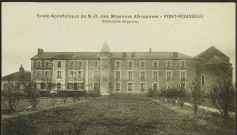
21,75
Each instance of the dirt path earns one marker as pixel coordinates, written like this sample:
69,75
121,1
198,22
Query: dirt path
232,114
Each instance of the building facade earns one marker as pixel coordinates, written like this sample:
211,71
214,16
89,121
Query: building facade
20,78
126,72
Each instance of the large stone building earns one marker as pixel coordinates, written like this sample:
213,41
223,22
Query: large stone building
126,72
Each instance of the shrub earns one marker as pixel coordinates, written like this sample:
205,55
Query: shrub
152,93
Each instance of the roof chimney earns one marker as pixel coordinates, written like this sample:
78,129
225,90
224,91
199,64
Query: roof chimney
40,51
175,54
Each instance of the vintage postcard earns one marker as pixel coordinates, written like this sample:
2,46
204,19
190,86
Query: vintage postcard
118,68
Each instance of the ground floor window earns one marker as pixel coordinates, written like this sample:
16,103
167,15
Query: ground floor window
96,86
143,85
80,86
117,86
75,86
130,85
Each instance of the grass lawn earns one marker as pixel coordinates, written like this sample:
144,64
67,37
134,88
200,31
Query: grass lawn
118,115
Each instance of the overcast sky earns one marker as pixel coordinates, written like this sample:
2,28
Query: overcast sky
23,33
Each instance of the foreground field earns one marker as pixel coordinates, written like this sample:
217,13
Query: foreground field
118,115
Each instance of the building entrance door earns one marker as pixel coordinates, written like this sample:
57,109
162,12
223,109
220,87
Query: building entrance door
154,86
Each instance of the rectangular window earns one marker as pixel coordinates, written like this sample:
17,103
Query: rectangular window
117,86
70,86
117,64
46,73
168,64
155,74
117,74
155,63
79,74
168,74
203,80
80,86
130,74
96,74
96,86
75,86
182,63
46,64
38,73
79,64
38,64
59,63
143,85
130,64
59,74
143,74
130,85
71,73
142,64
182,74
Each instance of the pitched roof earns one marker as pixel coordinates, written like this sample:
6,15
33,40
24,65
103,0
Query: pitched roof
216,60
67,55
148,55
115,55
211,51
26,76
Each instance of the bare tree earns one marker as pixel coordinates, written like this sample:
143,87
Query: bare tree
10,95
196,95
32,94
223,96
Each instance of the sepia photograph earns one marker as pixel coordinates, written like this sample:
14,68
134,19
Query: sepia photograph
114,68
